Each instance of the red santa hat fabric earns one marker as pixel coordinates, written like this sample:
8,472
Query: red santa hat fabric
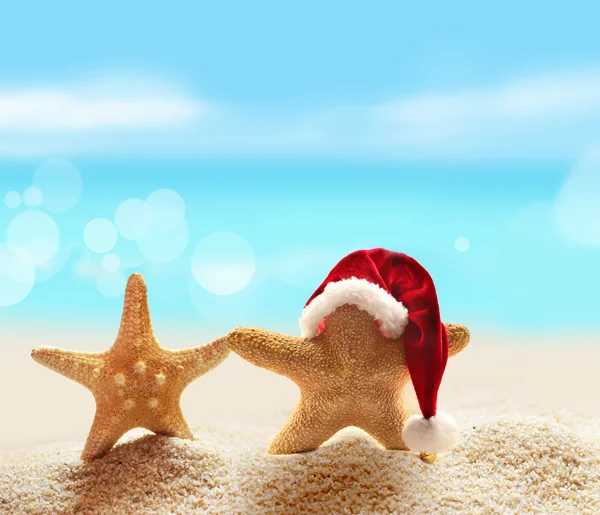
397,291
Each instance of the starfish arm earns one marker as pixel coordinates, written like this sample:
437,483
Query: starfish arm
136,322
104,434
82,367
384,420
311,424
458,338
173,424
197,361
286,355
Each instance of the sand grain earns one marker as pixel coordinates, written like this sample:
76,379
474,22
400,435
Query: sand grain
503,465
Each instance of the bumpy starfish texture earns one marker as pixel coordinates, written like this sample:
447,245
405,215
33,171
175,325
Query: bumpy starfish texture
350,374
137,382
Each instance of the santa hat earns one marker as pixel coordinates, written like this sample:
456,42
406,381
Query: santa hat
400,294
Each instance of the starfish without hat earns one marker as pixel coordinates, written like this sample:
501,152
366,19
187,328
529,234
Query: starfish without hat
349,374
137,382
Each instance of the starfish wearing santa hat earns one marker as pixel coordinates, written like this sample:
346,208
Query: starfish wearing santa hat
371,327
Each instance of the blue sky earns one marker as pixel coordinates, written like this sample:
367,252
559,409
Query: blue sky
292,135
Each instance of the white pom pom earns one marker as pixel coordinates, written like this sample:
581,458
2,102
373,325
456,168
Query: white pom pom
430,435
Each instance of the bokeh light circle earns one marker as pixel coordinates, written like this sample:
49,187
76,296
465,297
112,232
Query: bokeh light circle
577,210
111,262
133,219
168,209
35,233
17,275
32,197
223,263
462,244
60,183
12,200
88,266
163,246
100,235
111,284
58,262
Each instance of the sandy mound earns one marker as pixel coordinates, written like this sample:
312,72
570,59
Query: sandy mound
504,466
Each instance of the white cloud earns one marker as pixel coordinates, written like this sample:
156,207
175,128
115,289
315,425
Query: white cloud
545,116
96,105
542,98
555,115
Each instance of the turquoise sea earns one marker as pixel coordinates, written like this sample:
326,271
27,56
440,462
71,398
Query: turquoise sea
246,241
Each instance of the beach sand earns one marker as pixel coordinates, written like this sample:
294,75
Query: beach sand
528,410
